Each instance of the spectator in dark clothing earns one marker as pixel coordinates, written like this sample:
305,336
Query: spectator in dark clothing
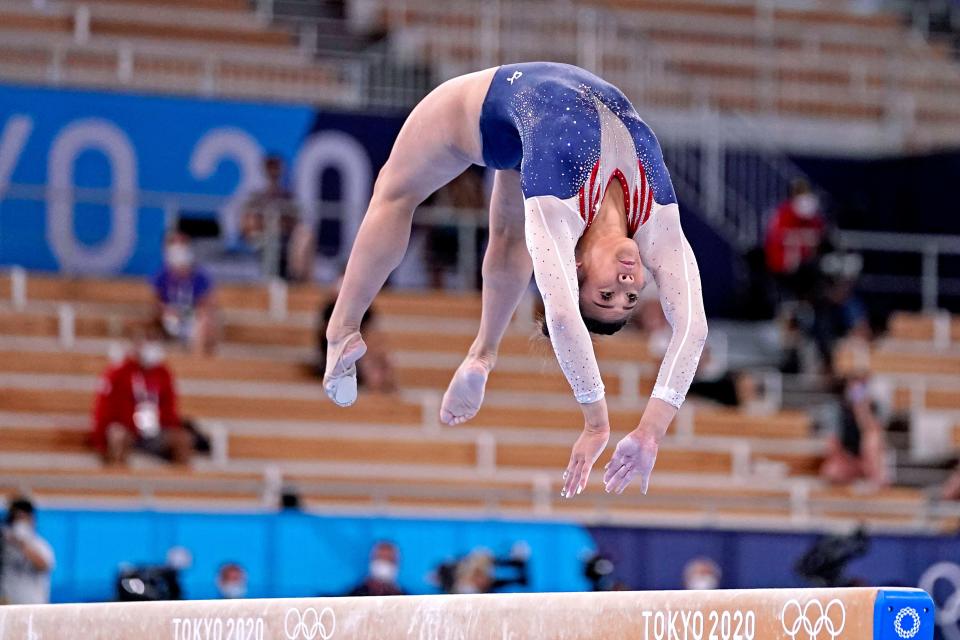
859,450
375,370
382,572
272,223
136,407
184,305
837,312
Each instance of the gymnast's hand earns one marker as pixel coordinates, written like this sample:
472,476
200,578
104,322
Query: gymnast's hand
586,450
634,455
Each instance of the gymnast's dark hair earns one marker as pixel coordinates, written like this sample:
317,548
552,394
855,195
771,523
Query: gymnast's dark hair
597,327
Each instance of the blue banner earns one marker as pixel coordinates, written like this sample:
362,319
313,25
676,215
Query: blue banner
85,176
291,554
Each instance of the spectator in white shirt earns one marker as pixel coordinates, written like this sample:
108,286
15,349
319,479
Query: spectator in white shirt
26,559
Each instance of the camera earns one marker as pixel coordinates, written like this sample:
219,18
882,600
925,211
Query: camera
824,563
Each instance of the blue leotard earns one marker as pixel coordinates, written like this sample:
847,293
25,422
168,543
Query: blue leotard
541,118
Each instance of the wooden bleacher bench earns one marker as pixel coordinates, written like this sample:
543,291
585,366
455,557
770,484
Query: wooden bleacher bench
732,423
933,398
240,6
920,327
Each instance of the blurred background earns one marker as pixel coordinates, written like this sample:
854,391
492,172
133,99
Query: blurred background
180,184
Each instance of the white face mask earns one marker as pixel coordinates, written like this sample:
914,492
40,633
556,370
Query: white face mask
179,256
151,354
702,581
806,205
116,352
233,590
383,570
21,530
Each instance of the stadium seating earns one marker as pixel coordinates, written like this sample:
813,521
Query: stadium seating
271,426
825,64
814,65
222,49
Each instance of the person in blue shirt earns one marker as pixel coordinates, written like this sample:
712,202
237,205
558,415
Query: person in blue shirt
184,306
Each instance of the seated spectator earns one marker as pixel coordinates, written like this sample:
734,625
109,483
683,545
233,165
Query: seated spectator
859,450
375,369
382,573
136,408
793,236
232,581
185,309
701,573
26,559
837,311
272,223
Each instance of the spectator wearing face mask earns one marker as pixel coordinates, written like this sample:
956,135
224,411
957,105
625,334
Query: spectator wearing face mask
701,573
795,232
232,581
26,559
184,306
382,572
136,408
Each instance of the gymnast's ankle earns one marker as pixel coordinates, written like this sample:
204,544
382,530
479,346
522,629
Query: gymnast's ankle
340,333
485,358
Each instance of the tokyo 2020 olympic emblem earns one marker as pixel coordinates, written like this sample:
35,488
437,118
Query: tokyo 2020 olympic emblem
309,624
912,626
813,621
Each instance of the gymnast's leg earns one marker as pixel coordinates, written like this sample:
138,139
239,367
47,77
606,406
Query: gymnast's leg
426,155
506,275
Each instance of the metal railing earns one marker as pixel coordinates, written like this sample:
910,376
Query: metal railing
74,257
929,247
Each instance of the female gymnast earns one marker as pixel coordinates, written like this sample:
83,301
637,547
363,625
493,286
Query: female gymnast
581,198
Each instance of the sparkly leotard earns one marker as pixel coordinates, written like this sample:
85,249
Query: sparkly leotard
570,133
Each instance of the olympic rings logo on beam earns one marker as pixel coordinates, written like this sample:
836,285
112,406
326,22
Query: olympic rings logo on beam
309,624
907,632
948,611
812,619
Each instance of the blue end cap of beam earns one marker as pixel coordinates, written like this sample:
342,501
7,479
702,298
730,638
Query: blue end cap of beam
903,614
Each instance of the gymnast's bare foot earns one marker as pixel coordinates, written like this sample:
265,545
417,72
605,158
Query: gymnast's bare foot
340,380
465,394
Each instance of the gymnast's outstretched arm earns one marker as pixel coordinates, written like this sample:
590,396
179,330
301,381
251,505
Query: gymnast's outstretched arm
666,253
506,275
429,152
552,231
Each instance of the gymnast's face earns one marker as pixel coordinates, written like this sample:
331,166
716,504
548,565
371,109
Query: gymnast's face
610,280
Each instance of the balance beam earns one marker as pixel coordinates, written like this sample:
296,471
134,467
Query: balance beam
763,614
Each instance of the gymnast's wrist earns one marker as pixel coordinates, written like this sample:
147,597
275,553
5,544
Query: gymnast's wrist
595,417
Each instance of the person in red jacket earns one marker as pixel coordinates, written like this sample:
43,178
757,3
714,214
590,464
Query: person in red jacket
795,231
136,407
